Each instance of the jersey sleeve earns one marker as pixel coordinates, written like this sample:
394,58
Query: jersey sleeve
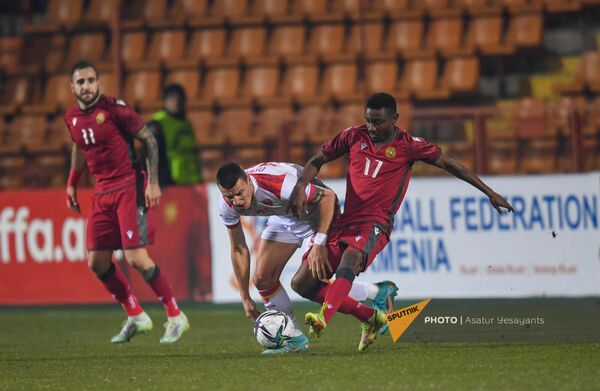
421,149
228,215
288,186
338,145
126,118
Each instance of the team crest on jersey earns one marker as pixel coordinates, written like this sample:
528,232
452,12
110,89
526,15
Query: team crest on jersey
390,152
100,118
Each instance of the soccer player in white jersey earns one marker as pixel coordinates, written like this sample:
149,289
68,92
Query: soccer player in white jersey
264,190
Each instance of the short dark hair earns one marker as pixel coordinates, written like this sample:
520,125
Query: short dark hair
229,174
174,88
82,65
382,100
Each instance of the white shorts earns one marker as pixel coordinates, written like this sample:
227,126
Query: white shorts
287,230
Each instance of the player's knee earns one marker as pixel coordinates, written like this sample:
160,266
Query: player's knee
98,265
263,281
352,260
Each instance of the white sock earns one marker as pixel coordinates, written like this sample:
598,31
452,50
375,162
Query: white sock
280,301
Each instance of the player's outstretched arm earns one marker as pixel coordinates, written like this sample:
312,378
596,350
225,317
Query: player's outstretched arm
455,168
77,166
240,260
318,262
297,203
153,192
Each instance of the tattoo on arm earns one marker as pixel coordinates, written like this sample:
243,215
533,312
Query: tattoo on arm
145,136
318,195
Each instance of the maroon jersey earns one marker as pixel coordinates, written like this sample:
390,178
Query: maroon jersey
377,178
105,135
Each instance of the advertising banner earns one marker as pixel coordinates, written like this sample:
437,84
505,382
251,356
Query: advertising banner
448,241
43,256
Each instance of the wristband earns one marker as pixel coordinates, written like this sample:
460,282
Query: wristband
73,178
320,239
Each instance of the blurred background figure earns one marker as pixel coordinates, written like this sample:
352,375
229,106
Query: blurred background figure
179,163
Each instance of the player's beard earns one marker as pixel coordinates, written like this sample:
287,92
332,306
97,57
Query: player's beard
88,102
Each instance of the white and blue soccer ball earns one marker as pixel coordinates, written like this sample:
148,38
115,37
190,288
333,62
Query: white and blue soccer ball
273,329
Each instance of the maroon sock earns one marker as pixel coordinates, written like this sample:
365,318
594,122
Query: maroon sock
159,284
347,306
115,282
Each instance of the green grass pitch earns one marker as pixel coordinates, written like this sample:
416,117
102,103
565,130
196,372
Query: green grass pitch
67,348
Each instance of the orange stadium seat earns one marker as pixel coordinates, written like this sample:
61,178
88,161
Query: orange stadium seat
189,79
461,75
312,119
525,30
269,8
365,37
11,51
57,96
396,8
133,48
381,76
287,41
562,5
166,46
205,128
247,42
351,114
349,8
485,34
340,81
208,43
10,139
59,14
261,81
35,133
46,171
228,9
11,169
327,40
274,120
108,84
445,35
419,77
309,7
237,124
405,36
142,90
191,11
221,84
140,13
17,91
55,56
101,12
301,80
88,47
249,157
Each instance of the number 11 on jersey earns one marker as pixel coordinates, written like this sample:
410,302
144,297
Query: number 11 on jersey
85,136
368,166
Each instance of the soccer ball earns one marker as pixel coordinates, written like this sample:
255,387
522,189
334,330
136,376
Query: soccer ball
273,328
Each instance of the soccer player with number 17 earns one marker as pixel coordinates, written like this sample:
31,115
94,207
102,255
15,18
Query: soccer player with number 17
380,158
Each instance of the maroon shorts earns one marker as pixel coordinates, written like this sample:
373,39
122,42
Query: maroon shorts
120,220
368,238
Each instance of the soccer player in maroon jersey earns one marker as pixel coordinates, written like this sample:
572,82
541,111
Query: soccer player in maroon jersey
380,157
103,129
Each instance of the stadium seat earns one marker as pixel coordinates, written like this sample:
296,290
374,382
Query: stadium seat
59,14
419,78
312,119
211,161
10,139
485,34
560,112
205,128
464,152
16,91
249,156
381,76
445,35
133,49
11,50
349,8
45,171
350,114
108,84
395,8
340,81
207,43
586,77
327,41
190,11
189,79
32,129
221,83
90,47
11,169
228,10
166,46
238,126
275,120
269,8
309,8
502,156
521,6
525,30
138,14
301,80
142,90
287,41
55,55
365,37
261,82
461,75
101,12
405,36
247,42
562,6
57,96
